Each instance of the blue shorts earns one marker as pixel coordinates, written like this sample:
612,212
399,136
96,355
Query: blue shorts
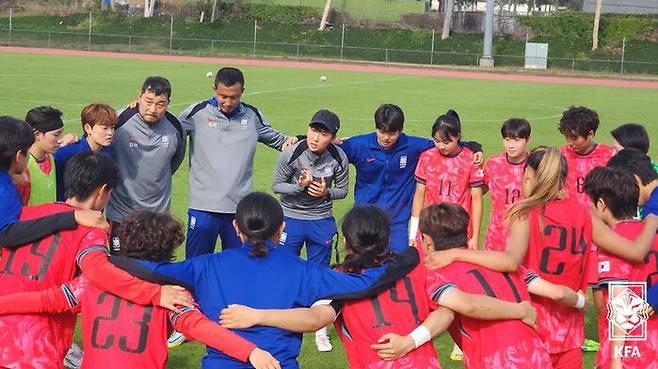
318,235
203,228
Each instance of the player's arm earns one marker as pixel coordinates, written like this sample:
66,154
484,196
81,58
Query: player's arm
392,346
501,261
484,307
478,155
270,136
58,299
95,266
476,213
19,233
282,175
193,324
634,251
179,155
416,208
341,181
558,293
294,320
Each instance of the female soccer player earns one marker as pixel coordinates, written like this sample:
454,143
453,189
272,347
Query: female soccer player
446,173
552,235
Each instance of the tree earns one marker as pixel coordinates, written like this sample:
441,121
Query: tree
595,30
325,15
447,19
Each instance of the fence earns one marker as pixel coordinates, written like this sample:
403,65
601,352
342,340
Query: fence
256,48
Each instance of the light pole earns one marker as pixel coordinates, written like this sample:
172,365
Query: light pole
487,60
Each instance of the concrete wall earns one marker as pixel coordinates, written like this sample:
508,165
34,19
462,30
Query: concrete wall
623,6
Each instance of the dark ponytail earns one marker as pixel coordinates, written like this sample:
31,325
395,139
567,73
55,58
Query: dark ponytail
367,230
447,126
259,217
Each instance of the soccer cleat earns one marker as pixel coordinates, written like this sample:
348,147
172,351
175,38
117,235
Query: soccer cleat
590,346
73,358
323,343
176,339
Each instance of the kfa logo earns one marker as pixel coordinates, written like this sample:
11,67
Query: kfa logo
403,161
243,123
627,311
165,141
283,238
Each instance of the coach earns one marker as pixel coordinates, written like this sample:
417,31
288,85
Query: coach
224,132
148,148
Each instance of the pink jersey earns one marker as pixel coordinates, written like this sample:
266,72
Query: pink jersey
449,178
483,343
580,165
613,268
504,180
33,341
560,252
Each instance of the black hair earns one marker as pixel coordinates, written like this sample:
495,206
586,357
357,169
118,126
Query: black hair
87,171
578,121
446,224
320,127
44,118
158,85
259,217
229,76
636,162
367,231
389,118
516,128
632,136
447,126
617,187
149,235
15,136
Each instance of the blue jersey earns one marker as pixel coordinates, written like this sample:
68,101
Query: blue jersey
386,177
651,206
279,280
63,155
10,202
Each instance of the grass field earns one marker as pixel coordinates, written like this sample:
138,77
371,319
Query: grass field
289,97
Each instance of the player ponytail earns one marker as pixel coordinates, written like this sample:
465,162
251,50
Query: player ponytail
550,170
447,126
259,217
367,230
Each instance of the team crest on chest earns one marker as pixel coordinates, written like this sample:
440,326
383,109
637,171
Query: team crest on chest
403,161
243,123
165,141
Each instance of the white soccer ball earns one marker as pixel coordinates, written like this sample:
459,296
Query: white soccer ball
323,79
209,74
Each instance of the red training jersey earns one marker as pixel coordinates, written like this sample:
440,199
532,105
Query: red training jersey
580,165
613,268
398,310
449,178
560,252
504,180
481,340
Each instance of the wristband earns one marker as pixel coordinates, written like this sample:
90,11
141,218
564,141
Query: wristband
413,228
420,335
581,302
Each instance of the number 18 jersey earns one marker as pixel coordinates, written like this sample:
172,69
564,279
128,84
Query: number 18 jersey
560,252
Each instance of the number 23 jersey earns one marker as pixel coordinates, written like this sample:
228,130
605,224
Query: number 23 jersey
560,252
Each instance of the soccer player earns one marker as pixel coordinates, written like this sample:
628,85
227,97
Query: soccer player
552,236
309,177
16,138
98,121
260,275
615,194
40,185
446,173
142,330
377,322
55,259
578,125
503,176
632,136
639,164
223,133
385,161
148,148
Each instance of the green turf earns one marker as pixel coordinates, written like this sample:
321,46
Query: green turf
289,97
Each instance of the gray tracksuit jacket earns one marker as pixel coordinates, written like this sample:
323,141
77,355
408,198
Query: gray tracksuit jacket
222,150
147,156
295,200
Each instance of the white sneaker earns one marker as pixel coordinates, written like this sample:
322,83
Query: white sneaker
73,358
176,339
323,343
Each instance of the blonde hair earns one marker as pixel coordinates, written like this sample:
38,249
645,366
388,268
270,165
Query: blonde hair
550,169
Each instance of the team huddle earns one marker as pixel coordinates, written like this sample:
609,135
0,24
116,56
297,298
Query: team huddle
85,230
